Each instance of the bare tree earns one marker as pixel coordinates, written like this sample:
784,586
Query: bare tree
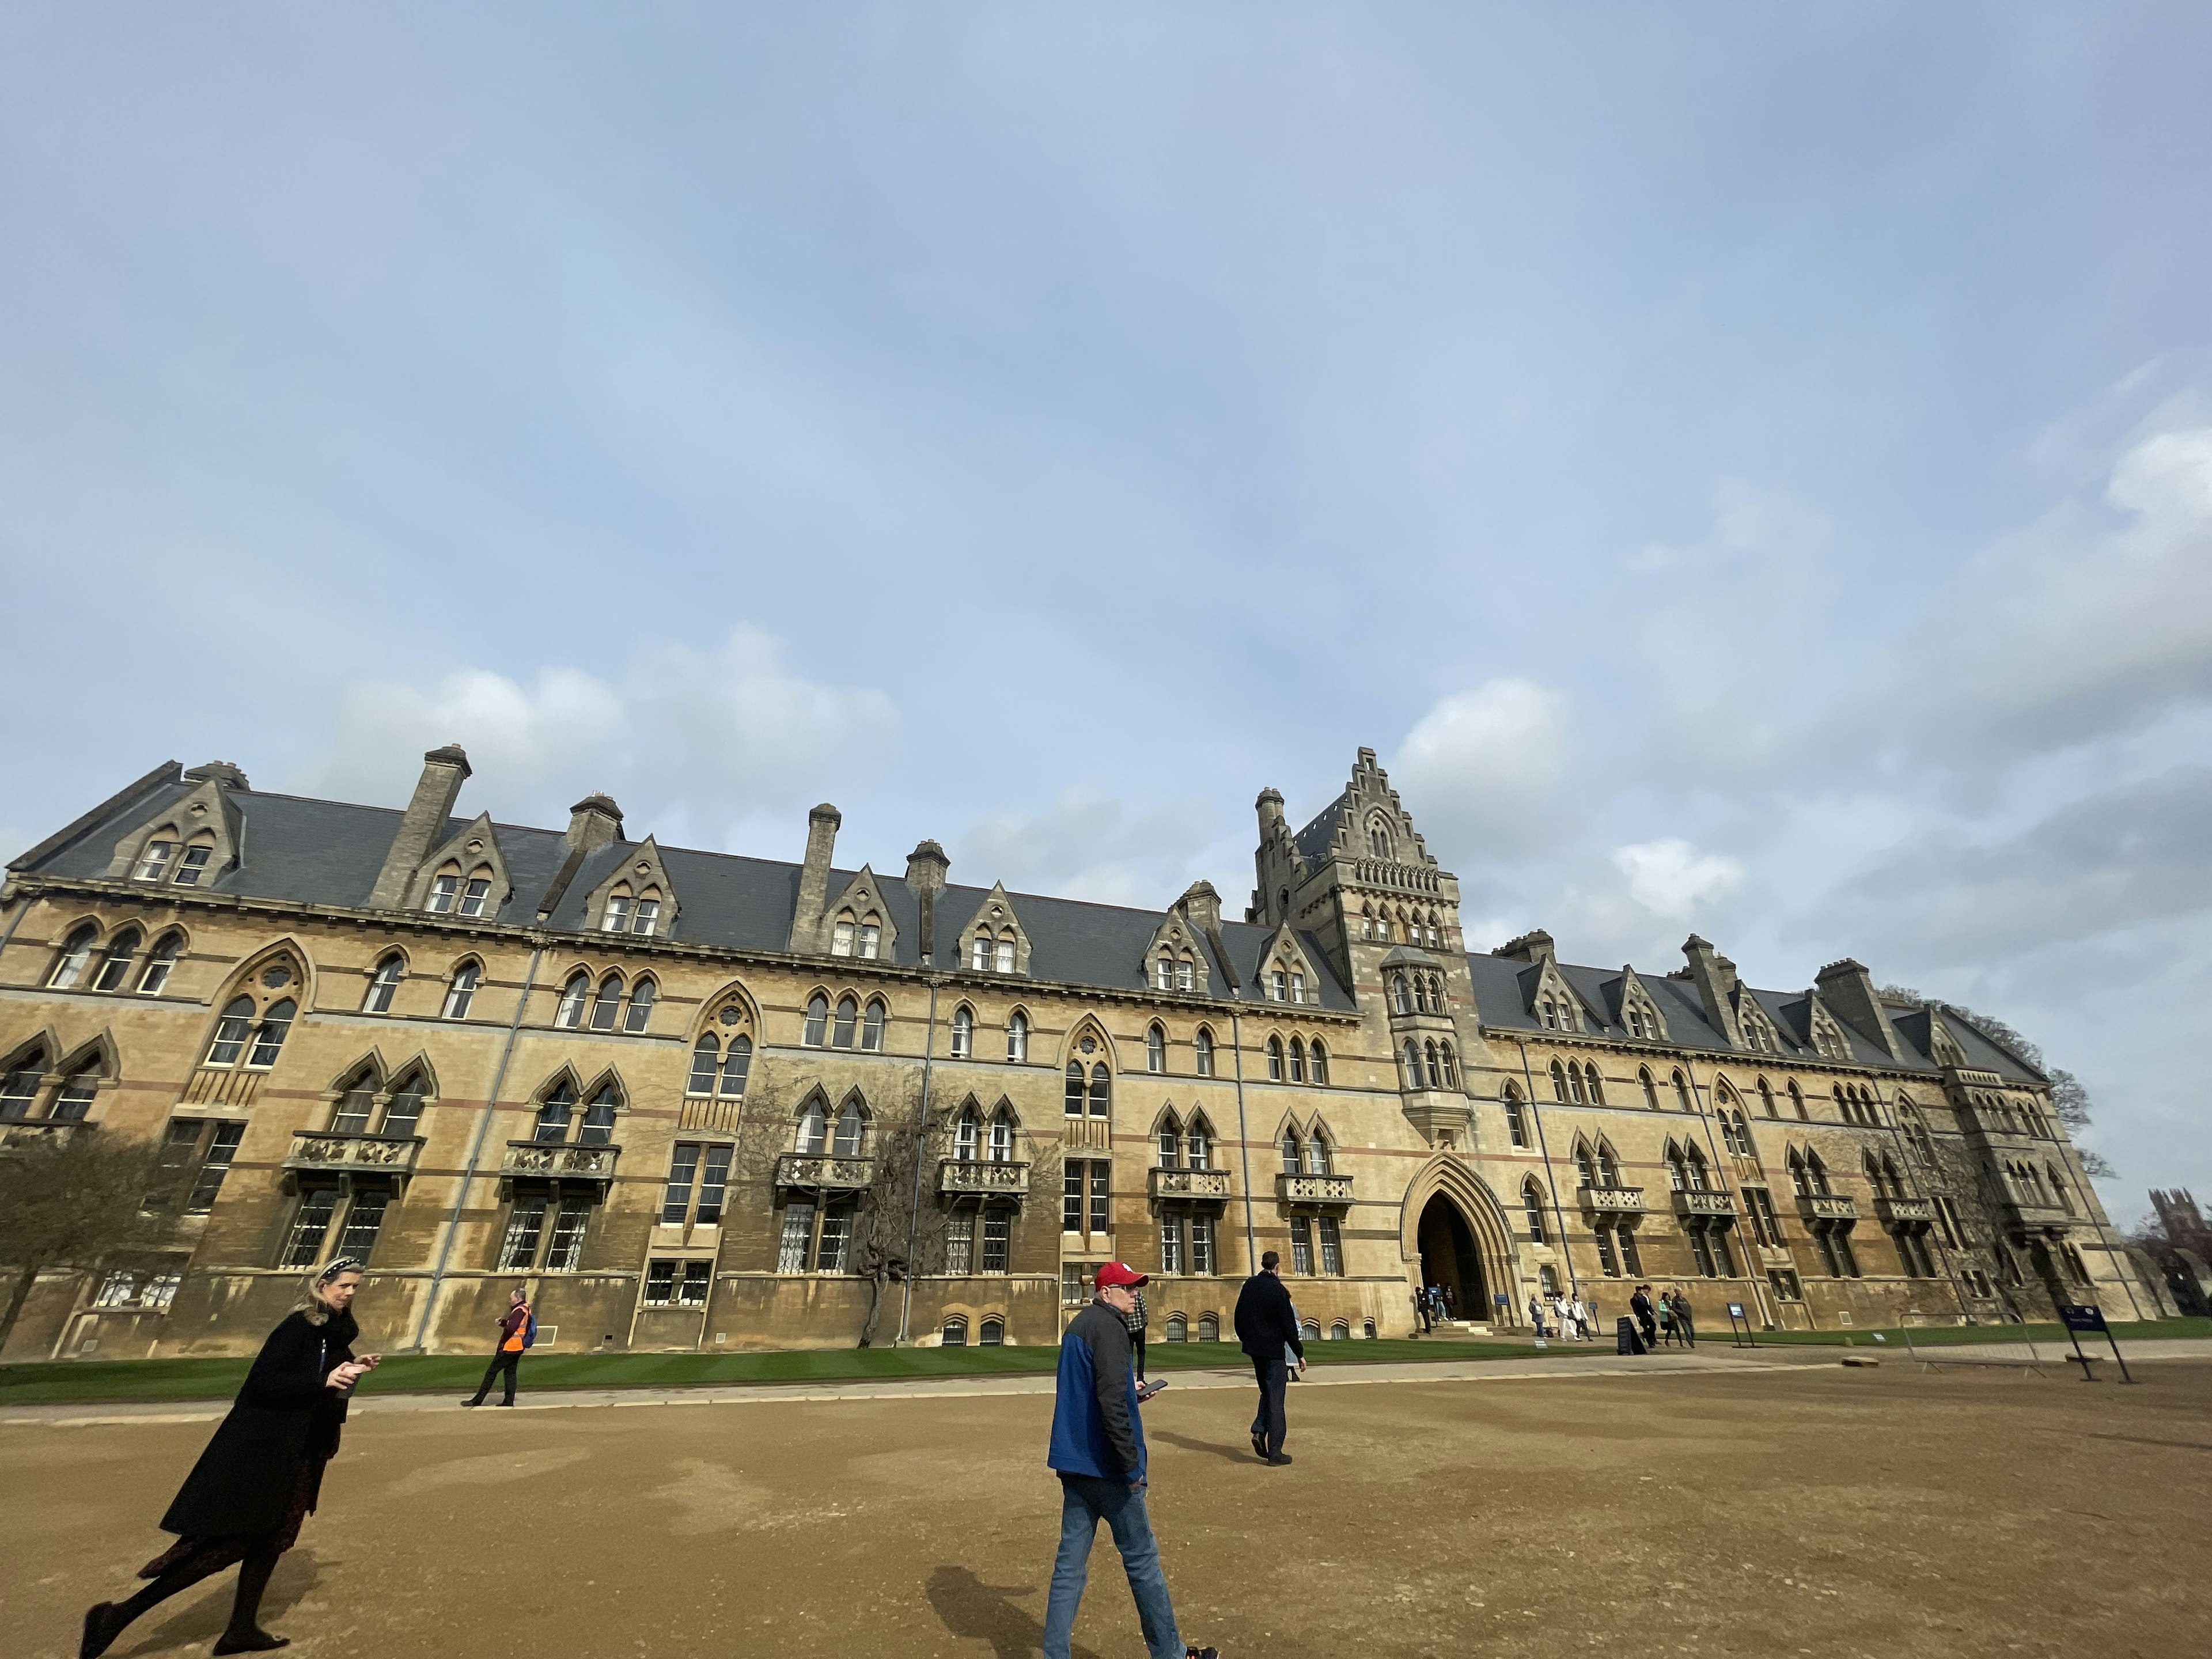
73,1202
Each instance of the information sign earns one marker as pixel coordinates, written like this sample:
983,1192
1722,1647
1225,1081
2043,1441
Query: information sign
2079,1317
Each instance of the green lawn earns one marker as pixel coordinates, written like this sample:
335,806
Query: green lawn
1932,1336
88,1380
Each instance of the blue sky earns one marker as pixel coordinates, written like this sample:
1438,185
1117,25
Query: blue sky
1743,470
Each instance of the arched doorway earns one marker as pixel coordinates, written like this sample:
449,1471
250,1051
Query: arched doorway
1449,1258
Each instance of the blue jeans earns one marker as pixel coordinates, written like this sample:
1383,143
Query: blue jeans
1086,1500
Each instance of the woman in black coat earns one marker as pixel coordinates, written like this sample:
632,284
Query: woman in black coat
260,1474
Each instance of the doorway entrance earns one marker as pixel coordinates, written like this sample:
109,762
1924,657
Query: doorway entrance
1449,1258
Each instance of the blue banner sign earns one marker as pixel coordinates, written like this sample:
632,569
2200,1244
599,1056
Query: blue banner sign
2082,1318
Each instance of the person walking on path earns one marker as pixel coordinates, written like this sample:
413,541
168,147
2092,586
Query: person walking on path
1098,1451
1682,1320
1640,1305
1134,1319
262,1471
517,1330
1666,1319
1536,1316
1421,1308
1586,1317
1268,1329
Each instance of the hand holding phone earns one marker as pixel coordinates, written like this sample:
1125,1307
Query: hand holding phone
1148,1391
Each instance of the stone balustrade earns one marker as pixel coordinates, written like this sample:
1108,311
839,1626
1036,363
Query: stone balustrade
959,1178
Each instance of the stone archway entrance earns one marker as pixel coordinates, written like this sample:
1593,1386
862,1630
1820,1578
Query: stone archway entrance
1449,1258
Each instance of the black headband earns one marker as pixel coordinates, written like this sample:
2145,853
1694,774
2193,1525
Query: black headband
344,1264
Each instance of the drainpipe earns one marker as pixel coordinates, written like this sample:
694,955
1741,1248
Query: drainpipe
1706,1116
1550,1180
1243,1140
920,1144
475,1152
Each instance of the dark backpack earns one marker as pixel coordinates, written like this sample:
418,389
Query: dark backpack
530,1331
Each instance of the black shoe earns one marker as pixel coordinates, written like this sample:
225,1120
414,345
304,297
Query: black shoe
1260,1446
1201,1653
506,1402
1279,1460
472,1402
101,1627
256,1640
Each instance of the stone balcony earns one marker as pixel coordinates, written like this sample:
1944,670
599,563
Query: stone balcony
555,1160
1826,1206
2027,1216
1610,1200
1290,1188
354,1154
1699,1205
1209,1185
48,1131
822,1171
1905,1212
962,1177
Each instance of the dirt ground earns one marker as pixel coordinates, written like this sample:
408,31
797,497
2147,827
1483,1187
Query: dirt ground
1818,1511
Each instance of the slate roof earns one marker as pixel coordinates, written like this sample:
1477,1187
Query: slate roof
1313,842
305,851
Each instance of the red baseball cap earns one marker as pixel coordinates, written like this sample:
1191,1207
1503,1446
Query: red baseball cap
1120,1273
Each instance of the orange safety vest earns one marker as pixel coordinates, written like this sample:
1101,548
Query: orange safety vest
513,1342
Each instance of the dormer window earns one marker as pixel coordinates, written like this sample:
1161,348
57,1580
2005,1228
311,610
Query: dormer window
843,936
1297,988
1185,974
193,864
1002,955
1279,986
646,922
871,939
153,862
442,893
474,892
616,918
1636,1028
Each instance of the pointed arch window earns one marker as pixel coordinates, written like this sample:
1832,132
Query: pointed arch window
115,960
1450,1064
599,1128
1167,1149
269,1036
1797,1101
1592,1086
1650,1088
1102,1092
1198,1145
818,1020
1585,1163
705,1063
1075,1088
1279,986
1293,1153
842,936
872,1026
1156,1049
851,1131
1297,1060
813,1131
1319,1159
383,985
615,919
555,1111
1002,1138
1202,1046
967,1136
1517,1127
77,951
1401,993
1532,1206
606,1007
403,1110
461,990
737,1067
1017,1036
575,997
1002,955
964,1031
356,1101
230,1032
82,1087
1683,1093
159,962
1276,1059
20,1087
193,865
1559,1082
979,954
641,997
1434,1070
1319,1054
849,1020
1413,1060
154,859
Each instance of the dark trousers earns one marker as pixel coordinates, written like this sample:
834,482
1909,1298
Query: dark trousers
1268,1423
499,1362
1137,1350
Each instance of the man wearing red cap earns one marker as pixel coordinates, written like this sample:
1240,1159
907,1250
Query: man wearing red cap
1098,1452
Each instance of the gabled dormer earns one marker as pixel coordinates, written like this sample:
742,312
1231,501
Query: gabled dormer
859,919
466,877
994,941
1942,1047
190,843
1758,1030
1555,1005
636,897
1825,1030
1286,972
1638,1013
1176,957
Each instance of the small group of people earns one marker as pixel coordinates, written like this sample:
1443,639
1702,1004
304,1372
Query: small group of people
1570,1318
1665,1320
1433,1305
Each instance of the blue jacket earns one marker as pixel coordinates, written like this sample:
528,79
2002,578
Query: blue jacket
1095,1428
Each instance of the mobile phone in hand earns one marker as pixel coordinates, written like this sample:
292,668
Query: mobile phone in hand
1148,1391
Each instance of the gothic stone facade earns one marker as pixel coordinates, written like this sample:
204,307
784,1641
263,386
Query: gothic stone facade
655,1084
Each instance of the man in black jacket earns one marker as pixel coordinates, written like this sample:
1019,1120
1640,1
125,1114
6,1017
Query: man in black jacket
1267,1326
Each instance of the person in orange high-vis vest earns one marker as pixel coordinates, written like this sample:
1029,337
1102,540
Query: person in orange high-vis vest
516,1327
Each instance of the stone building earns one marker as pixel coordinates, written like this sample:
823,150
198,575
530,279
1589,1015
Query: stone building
665,1088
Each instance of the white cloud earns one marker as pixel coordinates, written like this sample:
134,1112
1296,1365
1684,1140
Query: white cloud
1672,878
698,742
1090,846
1479,765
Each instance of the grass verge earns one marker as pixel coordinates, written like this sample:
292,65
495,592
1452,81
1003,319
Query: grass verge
88,1380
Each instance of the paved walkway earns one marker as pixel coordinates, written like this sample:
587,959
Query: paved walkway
1709,1357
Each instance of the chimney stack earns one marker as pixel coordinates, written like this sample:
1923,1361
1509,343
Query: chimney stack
925,867
1715,976
1848,990
593,822
814,877
1533,946
422,826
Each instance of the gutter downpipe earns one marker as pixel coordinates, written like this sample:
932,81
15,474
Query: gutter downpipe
921,1143
476,1150
1550,1180
1243,1138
